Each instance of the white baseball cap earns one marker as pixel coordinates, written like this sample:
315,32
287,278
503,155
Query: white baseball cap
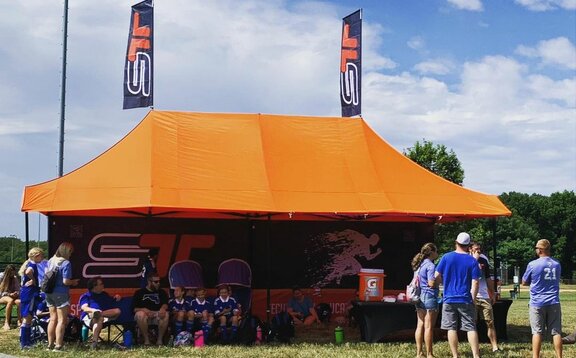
463,239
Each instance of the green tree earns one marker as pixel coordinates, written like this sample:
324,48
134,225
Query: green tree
437,159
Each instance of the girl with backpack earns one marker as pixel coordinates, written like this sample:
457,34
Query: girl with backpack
427,306
58,300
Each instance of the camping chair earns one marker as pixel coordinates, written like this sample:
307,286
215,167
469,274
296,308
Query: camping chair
237,274
187,274
121,324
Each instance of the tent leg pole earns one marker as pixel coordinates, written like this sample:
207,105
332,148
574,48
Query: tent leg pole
27,221
268,270
494,253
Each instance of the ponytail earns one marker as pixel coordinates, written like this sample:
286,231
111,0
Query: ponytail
424,253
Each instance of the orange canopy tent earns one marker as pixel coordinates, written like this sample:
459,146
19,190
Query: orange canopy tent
215,165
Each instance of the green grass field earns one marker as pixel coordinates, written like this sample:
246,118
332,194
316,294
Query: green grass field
317,342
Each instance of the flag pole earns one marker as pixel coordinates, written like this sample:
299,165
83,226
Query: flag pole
63,91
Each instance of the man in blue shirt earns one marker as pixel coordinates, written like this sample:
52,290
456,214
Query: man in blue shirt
301,308
459,273
543,276
98,307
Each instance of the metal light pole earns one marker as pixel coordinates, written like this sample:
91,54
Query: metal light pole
63,90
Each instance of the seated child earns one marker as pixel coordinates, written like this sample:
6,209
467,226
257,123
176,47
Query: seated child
178,306
200,314
226,311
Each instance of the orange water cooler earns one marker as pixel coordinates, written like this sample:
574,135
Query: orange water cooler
371,284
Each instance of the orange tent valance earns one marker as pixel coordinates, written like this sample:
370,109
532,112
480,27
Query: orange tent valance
179,164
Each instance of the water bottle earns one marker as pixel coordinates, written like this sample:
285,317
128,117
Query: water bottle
85,332
199,339
339,335
127,338
258,335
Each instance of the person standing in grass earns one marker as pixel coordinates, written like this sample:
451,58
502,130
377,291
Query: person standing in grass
59,300
29,294
485,297
427,306
543,276
459,272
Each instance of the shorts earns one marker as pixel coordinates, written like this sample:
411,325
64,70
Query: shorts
428,302
549,317
88,319
485,311
459,316
58,300
28,307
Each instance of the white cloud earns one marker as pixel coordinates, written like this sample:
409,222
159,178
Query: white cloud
472,5
559,51
513,121
545,5
416,43
434,67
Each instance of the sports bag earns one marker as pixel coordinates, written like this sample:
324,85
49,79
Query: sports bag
413,288
49,280
184,338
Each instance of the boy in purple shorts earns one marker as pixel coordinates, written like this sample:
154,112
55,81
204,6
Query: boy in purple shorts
543,276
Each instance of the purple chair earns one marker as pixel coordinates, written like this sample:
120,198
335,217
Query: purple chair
187,274
237,274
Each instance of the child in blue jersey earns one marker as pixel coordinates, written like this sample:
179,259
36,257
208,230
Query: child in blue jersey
543,276
200,314
178,307
226,311
29,292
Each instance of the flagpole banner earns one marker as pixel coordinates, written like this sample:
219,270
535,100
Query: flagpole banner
351,65
138,69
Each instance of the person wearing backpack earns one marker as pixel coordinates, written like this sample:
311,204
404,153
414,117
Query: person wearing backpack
427,306
29,293
58,300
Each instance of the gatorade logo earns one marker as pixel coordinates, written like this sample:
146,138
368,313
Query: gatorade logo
372,283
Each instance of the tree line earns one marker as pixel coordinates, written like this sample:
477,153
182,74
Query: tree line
534,217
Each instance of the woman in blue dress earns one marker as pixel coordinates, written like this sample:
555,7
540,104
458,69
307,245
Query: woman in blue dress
59,300
29,293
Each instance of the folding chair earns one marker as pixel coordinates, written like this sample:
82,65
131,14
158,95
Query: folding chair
121,324
186,273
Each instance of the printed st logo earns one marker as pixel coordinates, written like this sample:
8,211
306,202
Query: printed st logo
138,65
348,70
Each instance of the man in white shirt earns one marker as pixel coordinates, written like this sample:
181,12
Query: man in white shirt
485,297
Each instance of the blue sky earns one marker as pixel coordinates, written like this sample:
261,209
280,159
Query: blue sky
493,80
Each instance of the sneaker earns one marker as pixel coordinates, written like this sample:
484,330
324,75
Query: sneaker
58,349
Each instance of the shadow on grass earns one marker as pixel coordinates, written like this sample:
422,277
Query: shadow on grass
519,334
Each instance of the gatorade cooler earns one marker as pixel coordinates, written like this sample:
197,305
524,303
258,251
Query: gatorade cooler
371,284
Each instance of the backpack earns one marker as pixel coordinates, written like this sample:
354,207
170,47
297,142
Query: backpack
248,328
413,288
183,338
281,328
49,280
324,311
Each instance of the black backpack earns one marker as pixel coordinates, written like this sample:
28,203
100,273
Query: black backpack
324,312
248,328
281,328
49,280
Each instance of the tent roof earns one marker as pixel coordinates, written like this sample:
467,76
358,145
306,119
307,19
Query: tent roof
180,164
